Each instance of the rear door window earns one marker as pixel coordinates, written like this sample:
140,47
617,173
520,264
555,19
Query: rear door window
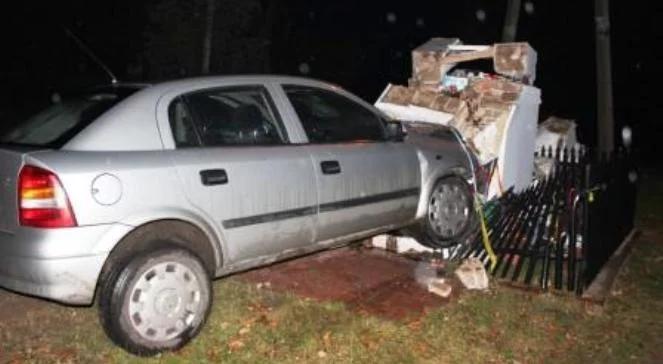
227,116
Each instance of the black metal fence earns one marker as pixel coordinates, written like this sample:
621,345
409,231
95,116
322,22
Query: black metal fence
561,230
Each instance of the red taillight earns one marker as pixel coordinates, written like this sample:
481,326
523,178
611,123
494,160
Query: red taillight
42,202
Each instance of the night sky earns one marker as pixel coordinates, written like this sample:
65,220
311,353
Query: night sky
359,45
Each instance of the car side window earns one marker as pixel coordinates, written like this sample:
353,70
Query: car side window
228,116
328,117
181,124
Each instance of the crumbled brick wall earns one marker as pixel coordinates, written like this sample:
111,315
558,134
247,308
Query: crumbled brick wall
515,60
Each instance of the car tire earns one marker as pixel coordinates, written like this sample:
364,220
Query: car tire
156,301
450,217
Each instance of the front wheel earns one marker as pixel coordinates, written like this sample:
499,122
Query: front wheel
156,301
450,217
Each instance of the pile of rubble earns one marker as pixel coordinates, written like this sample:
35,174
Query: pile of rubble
495,112
432,271
471,274
497,115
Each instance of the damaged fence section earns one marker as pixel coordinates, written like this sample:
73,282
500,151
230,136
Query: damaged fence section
560,231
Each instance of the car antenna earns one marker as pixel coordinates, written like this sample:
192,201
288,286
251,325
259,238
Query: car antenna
87,51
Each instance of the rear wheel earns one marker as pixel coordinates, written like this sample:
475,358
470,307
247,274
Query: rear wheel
450,218
156,301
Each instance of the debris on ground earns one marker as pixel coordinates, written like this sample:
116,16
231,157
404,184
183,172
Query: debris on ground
496,113
261,285
472,274
427,274
424,273
440,287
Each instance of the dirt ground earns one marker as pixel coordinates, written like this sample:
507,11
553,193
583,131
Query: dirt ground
370,281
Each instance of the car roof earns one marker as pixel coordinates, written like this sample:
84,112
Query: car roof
184,82
158,88
130,125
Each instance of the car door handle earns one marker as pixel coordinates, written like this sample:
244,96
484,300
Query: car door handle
330,167
212,177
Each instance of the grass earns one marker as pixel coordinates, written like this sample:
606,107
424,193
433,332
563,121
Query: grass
251,325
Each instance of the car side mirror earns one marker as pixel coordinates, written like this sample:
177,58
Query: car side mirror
395,131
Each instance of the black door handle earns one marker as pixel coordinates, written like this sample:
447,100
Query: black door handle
330,167
211,177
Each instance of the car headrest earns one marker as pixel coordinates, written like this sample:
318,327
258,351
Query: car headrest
248,117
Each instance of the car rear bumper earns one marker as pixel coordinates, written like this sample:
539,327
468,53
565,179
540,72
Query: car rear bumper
67,280
58,264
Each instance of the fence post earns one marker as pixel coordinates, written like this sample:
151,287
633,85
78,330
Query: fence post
586,250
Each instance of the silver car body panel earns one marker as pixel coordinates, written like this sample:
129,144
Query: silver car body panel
270,192
276,203
60,264
10,162
378,184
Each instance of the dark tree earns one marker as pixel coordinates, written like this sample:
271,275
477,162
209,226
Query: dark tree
239,42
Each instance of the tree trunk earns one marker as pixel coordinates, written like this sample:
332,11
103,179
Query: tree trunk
207,39
511,21
605,117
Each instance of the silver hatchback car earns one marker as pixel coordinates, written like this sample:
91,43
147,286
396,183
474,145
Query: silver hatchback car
140,195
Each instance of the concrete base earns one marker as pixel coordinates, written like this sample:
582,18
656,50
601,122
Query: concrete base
598,290
399,244
408,245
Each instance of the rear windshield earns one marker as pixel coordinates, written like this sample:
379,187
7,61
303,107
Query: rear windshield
57,124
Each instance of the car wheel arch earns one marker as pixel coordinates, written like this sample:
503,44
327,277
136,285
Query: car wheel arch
427,186
174,232
418,229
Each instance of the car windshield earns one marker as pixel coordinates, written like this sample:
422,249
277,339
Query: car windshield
60,122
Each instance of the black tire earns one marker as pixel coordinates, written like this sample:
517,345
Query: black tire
175,283
429,233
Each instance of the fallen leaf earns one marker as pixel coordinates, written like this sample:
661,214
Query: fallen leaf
326,339
213,353
369,344
414,325
235,345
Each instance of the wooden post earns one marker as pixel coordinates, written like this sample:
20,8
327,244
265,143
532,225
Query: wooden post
605,117
511,21
207,40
